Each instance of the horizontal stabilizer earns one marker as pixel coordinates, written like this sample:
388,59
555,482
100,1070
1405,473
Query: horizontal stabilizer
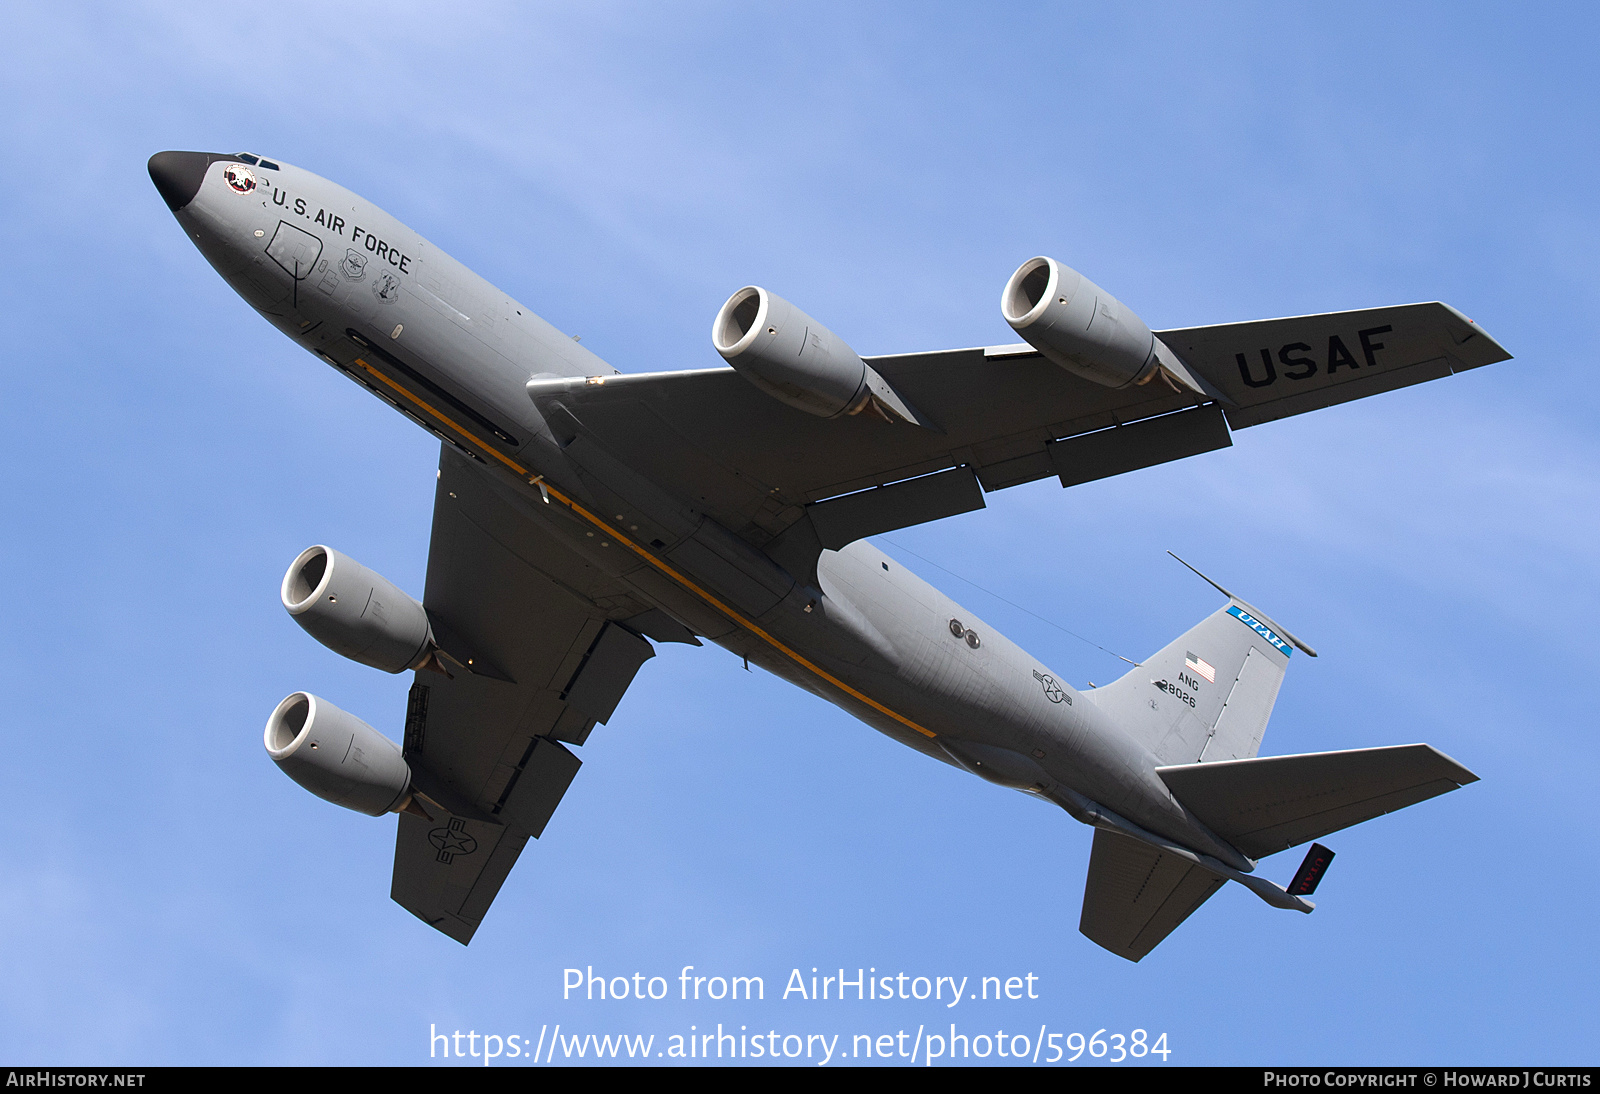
1137,894
1269,803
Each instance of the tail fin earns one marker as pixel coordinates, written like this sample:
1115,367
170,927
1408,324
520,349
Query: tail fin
1208,695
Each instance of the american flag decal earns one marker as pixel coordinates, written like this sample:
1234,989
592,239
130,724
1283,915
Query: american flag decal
1196,665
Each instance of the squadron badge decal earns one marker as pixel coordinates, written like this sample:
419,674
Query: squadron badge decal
387,288
240,178
354,264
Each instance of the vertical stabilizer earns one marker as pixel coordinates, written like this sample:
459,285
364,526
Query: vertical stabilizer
1208,695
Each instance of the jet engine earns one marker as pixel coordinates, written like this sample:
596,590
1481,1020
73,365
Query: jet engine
337,756
356,612
790,356
1078,325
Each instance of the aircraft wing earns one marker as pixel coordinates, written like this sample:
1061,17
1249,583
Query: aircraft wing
1275,368
1003,415
544,646
1137,894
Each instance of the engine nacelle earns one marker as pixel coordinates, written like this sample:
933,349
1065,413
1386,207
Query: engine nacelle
337,756
1078,325
356,612
789,355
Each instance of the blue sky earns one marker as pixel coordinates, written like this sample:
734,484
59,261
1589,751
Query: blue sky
168,897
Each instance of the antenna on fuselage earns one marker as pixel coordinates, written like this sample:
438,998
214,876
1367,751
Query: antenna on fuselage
1255,611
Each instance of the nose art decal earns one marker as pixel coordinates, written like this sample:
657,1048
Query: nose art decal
240,178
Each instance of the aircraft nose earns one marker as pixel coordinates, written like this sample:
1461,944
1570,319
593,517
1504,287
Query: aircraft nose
178,175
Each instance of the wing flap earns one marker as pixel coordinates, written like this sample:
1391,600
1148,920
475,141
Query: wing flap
541,782
607,670
1137,894
1145,443
842,521
1267,804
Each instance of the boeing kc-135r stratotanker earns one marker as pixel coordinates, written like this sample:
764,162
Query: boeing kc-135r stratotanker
582,514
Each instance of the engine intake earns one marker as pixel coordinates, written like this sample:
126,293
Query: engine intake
1078,325
356,612
337,756
789,355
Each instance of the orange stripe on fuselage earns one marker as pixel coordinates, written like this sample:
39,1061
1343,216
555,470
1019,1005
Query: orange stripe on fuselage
660,564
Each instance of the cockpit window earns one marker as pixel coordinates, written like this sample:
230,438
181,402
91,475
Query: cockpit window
269,165
247,158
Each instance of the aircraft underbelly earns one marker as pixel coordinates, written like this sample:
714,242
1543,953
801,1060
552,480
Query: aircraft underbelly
588,511
448,347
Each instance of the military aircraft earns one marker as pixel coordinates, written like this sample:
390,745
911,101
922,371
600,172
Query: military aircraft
582,514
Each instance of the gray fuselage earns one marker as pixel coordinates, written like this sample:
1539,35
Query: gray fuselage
371,297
